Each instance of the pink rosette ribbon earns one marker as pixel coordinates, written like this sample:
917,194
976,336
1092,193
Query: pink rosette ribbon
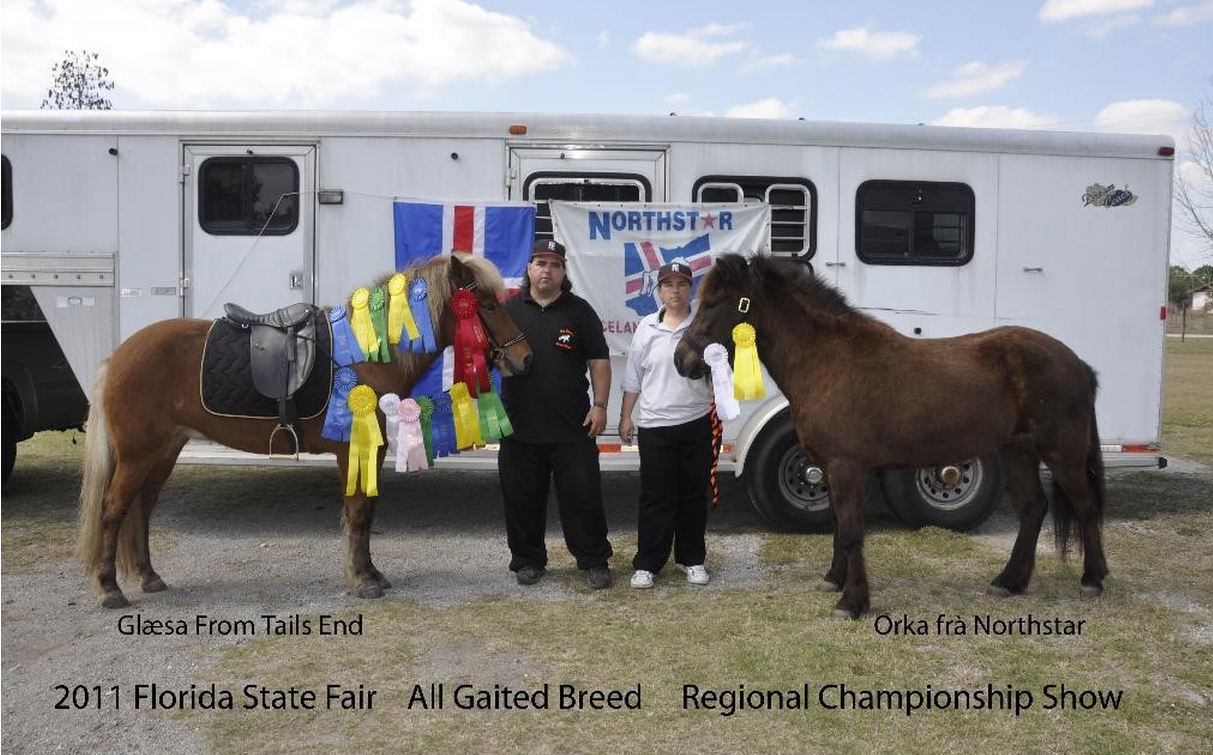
410,456
727,405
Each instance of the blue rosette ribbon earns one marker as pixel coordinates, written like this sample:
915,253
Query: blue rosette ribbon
419,305
346,350
338,419
443,426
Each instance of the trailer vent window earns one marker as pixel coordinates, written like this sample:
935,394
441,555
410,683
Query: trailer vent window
248,196
541,188
914,223
793,209
7,194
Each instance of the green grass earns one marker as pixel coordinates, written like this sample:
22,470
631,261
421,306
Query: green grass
1187,414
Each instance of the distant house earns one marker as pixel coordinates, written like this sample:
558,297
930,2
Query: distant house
1202,298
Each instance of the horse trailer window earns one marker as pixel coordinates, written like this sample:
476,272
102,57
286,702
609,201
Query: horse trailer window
541,188
7,193
248,196
914,223
792,200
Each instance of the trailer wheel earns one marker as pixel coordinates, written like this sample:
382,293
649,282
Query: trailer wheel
777,483
9,431
955,496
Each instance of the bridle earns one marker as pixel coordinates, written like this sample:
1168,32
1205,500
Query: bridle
497,347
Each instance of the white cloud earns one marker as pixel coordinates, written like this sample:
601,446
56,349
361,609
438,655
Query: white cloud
1186,15
771,107
994,116
305,53
877,45
691,48
604,39
1055,11
677,98
976,77
764,62
1101,29
1146,117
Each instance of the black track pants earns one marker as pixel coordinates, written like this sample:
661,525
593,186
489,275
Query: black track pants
675,463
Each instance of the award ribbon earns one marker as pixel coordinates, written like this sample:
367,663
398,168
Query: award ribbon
427,426
467,424
419,305
365,440
346,350
411,456
494,422
444,426
360,320
746,368
338,419
717,357
400,323
389,404
470,343
378,307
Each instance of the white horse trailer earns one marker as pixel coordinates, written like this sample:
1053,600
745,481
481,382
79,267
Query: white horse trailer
114,220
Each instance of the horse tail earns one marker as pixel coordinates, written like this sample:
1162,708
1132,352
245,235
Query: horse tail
1093,470
99,464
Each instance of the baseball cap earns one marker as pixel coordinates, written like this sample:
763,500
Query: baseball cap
674,268
547,248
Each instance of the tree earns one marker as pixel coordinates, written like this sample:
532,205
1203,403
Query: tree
80,82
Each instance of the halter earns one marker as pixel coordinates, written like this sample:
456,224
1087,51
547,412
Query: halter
743,302
497,352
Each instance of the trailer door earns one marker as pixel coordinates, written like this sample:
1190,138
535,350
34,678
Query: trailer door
248,226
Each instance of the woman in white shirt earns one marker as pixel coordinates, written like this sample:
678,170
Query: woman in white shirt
675,438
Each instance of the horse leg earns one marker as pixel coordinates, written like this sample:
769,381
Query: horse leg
1022,469
832,581
140,555
847,497
127,481
1071,482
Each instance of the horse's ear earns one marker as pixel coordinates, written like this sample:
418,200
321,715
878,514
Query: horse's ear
458,273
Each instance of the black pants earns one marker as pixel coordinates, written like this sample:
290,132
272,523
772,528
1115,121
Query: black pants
675,464
525,471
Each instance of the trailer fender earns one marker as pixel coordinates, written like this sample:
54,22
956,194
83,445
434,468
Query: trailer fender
753,428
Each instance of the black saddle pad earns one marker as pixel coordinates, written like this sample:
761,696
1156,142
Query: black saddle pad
227,381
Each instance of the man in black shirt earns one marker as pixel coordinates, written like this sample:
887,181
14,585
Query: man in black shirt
555,423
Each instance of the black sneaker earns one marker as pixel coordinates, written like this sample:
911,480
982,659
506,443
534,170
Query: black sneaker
529,575
599,577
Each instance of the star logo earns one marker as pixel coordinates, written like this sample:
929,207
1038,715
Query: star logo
709,220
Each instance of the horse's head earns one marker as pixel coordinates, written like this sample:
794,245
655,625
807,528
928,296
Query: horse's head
509,349
723,303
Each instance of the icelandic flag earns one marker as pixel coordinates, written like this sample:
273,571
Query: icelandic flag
642,260
501,232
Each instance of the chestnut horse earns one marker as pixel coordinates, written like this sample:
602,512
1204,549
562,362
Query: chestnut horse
147,404
865,397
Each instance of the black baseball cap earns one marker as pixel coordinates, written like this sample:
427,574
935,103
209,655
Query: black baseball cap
674,268
548,248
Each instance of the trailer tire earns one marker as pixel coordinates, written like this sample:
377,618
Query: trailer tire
921,499
9,430
775,481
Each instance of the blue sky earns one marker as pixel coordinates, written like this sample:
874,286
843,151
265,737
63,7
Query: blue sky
1108,65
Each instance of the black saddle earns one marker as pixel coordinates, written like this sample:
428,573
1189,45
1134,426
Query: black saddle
282,353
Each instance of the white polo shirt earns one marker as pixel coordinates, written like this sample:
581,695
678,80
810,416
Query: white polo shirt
666,398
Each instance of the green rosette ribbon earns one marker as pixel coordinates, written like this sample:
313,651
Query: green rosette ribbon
494,422
378,308
427,426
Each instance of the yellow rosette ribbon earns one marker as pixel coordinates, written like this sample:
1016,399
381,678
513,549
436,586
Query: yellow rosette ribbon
399,316
467,421
747,372
360,320
365,440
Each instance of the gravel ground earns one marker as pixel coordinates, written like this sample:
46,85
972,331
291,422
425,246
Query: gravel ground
286,557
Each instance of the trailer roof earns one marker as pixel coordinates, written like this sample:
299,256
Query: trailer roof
578,128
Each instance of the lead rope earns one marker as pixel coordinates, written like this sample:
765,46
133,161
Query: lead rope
717,434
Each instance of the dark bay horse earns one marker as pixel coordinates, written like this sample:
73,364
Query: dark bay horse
865,397
147,404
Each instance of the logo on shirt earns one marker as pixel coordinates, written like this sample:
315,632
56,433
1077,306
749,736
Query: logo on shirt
565,339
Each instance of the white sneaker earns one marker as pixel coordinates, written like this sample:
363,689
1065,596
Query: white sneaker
696,575
642,580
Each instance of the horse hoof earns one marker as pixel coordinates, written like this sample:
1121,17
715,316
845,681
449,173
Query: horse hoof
370,591
1091,591
115,600
382,582
845,613
155,584
825,585
999,591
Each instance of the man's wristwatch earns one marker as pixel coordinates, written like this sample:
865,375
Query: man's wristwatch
600,404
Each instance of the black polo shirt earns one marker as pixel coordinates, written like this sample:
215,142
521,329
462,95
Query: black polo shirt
549,403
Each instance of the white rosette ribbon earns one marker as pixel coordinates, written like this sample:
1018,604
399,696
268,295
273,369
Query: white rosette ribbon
727,405
389,404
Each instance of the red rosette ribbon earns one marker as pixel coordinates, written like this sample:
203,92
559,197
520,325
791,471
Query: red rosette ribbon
470,342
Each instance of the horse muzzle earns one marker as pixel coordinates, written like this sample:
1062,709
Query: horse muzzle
689,361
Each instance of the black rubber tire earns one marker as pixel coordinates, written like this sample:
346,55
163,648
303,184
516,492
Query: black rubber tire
921,501
8,429
776,486
10,458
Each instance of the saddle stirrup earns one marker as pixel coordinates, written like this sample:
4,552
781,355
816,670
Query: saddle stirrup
294,436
